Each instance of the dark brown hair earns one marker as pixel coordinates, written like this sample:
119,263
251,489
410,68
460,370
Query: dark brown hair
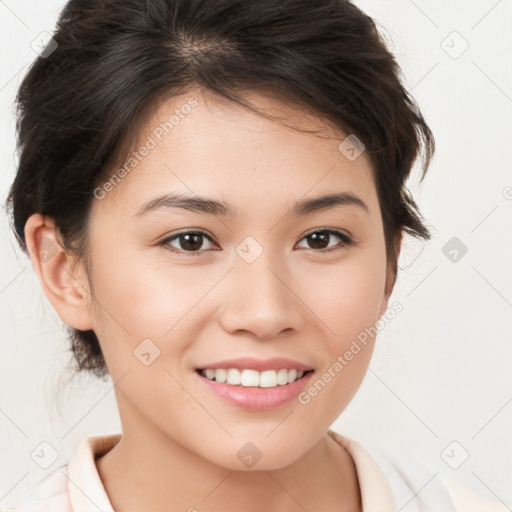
79,107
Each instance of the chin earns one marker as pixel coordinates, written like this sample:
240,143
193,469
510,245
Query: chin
258,455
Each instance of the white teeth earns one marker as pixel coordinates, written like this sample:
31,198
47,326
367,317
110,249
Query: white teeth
268,379
250,378
209,374
282,377
220,375
292,375
233,377
253,378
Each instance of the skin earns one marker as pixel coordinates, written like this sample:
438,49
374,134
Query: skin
290,302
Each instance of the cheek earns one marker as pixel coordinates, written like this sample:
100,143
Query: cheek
167,303
347,297
348,302
351,315
147,292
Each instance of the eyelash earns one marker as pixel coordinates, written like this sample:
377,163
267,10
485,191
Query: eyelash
347,241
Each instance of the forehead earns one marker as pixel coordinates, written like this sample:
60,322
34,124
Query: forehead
198,142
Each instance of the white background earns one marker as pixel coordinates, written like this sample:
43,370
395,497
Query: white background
442,368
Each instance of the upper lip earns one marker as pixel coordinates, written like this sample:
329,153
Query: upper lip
275,363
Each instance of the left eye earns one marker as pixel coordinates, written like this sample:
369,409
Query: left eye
319,237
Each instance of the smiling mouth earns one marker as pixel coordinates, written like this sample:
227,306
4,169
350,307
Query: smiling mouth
253,378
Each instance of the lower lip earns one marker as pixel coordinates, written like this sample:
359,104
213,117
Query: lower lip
255,398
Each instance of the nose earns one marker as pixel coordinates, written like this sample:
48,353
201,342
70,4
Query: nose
260,299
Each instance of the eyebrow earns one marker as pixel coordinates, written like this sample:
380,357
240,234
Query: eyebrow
223,209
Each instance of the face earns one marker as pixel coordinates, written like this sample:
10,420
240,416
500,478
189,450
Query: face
179,290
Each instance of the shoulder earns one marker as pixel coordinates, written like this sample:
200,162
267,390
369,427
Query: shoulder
6,508
432,489
51,494
467,500
63,489
413,485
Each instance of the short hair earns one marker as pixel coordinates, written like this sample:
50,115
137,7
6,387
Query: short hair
117,60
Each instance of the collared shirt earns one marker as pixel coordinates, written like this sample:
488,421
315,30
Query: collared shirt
385,486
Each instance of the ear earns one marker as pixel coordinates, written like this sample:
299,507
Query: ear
64,284
391,274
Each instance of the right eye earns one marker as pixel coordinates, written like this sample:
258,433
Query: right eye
191,242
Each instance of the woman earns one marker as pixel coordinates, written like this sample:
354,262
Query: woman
213,196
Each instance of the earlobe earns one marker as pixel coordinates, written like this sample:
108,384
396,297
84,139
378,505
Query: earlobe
64,284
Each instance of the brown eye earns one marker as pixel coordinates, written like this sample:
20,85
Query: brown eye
320,240
187,242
